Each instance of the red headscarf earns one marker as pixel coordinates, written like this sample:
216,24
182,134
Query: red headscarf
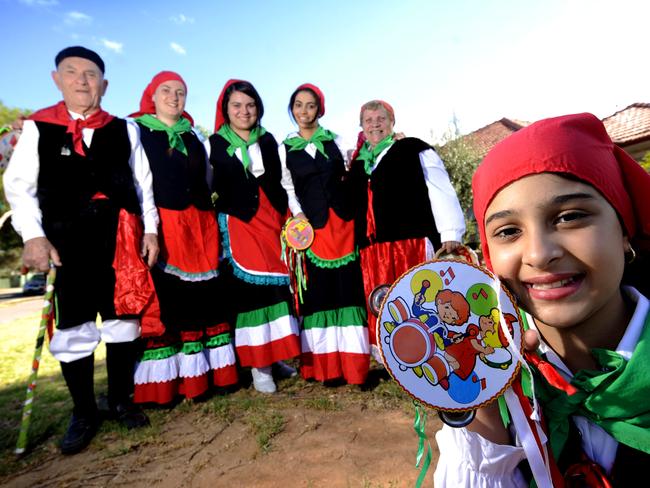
146,102
220,119
573,144
318,93
58,114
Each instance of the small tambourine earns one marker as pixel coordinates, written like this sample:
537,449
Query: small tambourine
376,298
448,333
298,234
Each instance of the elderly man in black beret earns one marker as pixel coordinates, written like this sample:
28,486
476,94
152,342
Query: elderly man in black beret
72,172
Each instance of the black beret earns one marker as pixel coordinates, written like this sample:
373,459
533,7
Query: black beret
79,52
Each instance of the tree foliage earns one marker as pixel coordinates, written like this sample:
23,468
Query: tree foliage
8,114
8,237
645,162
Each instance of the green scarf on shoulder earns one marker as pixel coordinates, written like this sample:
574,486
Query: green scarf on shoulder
317,139
369,155
236,142
173,133
615,397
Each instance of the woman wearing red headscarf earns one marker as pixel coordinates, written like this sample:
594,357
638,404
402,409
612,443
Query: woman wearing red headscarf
406,205
562,214
252,207
196,339
334,336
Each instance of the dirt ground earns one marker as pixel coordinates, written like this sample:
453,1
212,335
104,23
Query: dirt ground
327,437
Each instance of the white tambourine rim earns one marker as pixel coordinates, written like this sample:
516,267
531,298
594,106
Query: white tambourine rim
517,366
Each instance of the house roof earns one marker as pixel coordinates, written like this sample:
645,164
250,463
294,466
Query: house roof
630,125
626,127
484,139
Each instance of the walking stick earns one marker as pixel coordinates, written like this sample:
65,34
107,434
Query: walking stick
46,314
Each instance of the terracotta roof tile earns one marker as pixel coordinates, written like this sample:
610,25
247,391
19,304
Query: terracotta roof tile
629,125
483,139
625,127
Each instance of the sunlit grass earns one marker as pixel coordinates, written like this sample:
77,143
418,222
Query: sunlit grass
52,404
265,416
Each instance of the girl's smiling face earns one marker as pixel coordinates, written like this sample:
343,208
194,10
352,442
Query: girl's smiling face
559,246
305,110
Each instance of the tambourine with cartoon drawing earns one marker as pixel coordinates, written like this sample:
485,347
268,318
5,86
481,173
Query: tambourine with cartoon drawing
448,332
298,234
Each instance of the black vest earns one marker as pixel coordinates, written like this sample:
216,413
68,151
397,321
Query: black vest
319,183
67,181
238,189
178,180
400,197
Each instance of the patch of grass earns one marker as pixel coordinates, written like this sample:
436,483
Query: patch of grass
265,426
52,404
322,403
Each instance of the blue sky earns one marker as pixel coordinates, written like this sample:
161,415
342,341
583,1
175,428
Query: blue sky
477,60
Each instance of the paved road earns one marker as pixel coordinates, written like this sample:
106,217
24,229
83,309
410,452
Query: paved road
14,305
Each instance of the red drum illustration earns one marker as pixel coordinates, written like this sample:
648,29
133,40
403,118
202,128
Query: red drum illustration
399,310
435,369
411,343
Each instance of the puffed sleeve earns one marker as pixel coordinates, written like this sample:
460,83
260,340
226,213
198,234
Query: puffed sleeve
468,460
447,213
21,181
287,182
143,180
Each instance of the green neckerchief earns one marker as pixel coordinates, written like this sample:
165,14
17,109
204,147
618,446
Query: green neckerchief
317,139
369,156
615,397
173,133
237,142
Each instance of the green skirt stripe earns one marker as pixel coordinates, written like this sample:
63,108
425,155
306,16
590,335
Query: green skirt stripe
262,316
160,353
192,347
218,340
342,317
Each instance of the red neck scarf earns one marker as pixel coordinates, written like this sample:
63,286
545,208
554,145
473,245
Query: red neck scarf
58,114
146,101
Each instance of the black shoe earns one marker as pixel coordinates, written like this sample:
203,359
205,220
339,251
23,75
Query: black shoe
79,434
130,416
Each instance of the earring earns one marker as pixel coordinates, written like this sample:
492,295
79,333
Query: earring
630,255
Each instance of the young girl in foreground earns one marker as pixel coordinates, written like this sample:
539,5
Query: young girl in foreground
562,213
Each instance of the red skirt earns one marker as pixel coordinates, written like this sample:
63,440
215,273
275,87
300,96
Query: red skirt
335,240
189,243
254,246
382,263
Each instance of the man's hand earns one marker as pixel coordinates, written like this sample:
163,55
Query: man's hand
449,246
37,254
150,249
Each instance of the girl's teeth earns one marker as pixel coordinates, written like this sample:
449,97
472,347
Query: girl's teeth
549,286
